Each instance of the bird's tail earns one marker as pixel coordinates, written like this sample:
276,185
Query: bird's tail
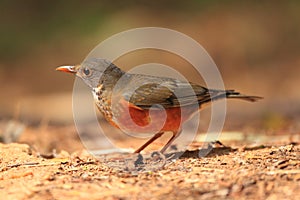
236,95
214,95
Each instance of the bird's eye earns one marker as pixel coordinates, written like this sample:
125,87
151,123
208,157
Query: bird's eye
86,71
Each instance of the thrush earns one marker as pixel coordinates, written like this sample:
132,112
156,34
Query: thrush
140,103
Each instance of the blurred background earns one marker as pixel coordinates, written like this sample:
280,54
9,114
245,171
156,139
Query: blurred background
255,44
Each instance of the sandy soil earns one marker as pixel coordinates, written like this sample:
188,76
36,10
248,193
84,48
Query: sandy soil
239,170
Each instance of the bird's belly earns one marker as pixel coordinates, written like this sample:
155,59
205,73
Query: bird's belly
130,118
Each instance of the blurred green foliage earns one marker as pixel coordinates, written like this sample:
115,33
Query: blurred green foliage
25,24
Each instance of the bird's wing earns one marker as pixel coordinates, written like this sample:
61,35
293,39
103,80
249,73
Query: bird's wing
166,92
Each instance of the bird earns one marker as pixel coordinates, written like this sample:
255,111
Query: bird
141,103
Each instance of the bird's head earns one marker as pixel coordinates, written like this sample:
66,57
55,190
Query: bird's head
90,71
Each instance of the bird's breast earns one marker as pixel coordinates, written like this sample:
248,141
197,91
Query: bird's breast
102,101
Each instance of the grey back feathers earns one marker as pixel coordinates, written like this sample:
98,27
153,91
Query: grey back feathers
145,91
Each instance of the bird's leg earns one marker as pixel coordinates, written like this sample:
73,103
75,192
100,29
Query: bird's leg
174,136
157,135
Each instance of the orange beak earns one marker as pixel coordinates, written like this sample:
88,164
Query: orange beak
69,69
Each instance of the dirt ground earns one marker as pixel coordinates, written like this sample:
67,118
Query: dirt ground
238,170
